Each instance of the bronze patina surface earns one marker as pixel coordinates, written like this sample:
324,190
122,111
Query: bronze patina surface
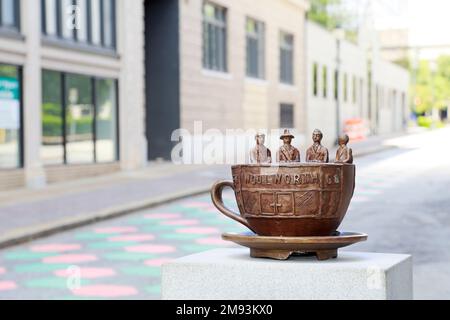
260,153
317,152
287,153
289,200
344,154
281,248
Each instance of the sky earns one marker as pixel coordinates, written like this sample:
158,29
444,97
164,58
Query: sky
427,20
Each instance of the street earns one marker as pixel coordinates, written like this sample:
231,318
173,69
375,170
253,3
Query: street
402,201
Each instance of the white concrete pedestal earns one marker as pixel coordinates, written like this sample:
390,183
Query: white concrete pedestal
230,274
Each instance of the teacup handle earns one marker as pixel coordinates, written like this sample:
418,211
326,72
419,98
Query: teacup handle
216,197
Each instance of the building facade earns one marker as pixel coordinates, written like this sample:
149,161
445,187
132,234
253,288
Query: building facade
231,64
350,88
71,89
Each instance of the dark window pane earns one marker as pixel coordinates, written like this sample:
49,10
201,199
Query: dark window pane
325,81
286,58
79,120
214,37
8,10
82,26
52,150
108,23
68,19
315,75
95,22
336,85
255,48
50,24
106,121
286,115
10,109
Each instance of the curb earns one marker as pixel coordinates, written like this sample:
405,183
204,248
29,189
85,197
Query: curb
23,235
27,234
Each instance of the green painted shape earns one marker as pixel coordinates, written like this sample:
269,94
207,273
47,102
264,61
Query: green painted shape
156,290
142,271
40,267
52,283
93,236
26,255
128,256
142,221
158,227
110,245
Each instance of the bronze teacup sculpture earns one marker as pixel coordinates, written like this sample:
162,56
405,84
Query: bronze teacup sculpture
290,199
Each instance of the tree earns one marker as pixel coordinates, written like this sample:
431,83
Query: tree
320,13
432,87
332,15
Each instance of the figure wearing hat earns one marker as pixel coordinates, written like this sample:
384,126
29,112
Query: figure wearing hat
317,152
260,153
288,153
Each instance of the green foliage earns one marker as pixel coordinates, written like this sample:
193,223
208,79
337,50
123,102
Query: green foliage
427,122
320,13
432,87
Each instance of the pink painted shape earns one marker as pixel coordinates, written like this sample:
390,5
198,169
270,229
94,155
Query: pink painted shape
151,248
157,262
87,273
115,230
212,241
180,222
132,237
105,291
55,247
2,270
198,230
152,216
7,285
70,258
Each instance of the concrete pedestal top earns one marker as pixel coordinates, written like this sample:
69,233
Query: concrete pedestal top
230,274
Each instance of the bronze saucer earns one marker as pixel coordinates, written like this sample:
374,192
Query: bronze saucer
281,248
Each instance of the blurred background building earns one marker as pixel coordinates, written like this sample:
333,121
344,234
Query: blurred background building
90,87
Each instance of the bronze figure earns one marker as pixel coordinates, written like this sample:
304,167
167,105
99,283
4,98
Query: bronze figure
287,153
317,152
260,153
344,154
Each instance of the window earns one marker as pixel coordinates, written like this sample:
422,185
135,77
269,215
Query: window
286,58
79,119
286,115
9,14
10,117
255,48
324,81
345,87
214,37
52,151
315,80
336,85
90,22
354,90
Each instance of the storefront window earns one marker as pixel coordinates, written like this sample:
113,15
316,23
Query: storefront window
10,124
106,129
79,119
52,151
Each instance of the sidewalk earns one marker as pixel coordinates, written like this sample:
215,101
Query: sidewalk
27,214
